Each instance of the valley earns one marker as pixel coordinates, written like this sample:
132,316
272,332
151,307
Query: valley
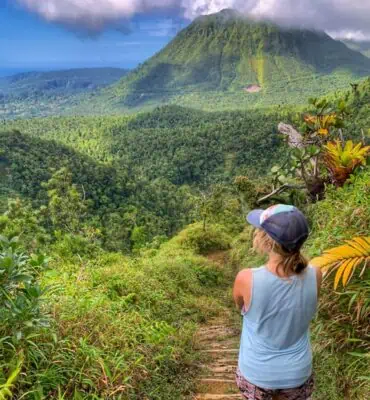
31,94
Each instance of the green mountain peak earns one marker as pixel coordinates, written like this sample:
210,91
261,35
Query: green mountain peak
226,53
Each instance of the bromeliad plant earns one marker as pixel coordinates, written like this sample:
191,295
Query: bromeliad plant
318,154
342,159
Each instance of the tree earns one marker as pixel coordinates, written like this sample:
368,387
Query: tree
67,206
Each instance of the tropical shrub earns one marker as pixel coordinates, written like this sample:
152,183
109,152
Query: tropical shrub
21,313
202,241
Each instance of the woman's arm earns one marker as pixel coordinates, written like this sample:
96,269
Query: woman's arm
242,291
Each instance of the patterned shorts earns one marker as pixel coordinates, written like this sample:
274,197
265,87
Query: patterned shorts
252,392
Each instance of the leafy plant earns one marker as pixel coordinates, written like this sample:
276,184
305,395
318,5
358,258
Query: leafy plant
345,259
20,294
321,124
341,160
5,388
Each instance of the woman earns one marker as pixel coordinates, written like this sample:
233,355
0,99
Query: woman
278,302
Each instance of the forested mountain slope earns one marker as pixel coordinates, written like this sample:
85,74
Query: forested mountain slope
237,62
53,92
180,144
111,195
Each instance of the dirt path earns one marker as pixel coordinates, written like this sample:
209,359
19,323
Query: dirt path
219,343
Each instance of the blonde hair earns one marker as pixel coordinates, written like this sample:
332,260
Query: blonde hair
292,262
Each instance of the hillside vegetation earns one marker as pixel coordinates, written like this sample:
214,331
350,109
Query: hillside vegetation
49,93
156,144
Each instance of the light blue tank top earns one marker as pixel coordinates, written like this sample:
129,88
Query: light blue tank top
275,349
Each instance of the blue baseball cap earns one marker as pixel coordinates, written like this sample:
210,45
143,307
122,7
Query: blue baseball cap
283,223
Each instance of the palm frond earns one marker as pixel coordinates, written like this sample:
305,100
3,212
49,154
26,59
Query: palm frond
345,259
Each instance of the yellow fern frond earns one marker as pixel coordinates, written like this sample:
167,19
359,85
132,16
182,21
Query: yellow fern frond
345,259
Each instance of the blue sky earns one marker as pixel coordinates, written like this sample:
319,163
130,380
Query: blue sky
28,42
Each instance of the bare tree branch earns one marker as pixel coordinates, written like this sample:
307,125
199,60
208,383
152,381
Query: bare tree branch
279,190
341,135
363,137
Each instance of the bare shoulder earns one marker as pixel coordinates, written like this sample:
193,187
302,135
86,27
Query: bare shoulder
244,275
242,288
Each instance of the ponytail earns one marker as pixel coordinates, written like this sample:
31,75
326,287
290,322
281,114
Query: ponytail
293,262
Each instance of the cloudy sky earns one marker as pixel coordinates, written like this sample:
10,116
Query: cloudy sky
48,34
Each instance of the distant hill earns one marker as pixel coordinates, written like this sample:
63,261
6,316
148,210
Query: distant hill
225,60
363,47
43,93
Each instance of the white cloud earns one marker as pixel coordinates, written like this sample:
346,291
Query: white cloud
342,18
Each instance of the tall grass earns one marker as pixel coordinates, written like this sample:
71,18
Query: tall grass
122,328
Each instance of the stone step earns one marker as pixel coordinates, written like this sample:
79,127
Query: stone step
231,343
221,363
216,370
221,329
223,351
209,396
217,386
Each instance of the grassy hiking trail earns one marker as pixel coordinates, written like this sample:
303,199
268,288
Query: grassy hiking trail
218,341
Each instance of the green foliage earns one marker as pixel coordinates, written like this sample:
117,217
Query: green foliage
123,327
5,388
87,196
25,222
157,144
342,159
250,190
66,206
345,210
20,295
21,313
134,173
204,241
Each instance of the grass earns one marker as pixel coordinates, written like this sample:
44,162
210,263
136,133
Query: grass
123,327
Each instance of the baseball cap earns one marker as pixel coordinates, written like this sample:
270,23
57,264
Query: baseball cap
284,223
